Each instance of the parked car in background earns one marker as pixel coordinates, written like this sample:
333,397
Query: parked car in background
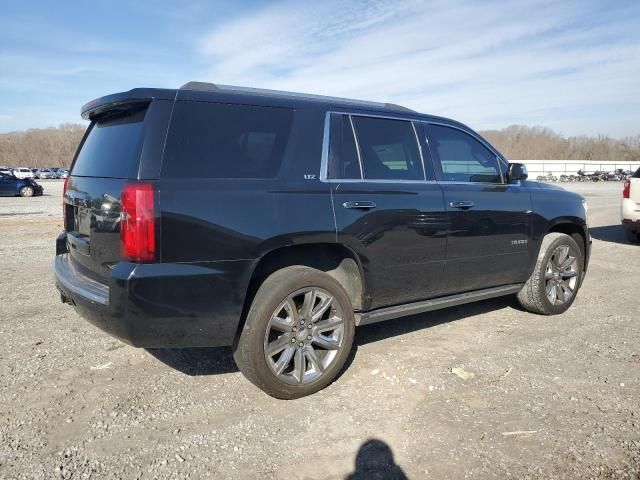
11,186
630,207
6,170
276,223
46,173
62,173
23,172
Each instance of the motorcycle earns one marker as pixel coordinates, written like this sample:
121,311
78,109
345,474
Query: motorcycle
547,177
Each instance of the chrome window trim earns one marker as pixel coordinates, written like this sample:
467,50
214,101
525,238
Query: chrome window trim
483,142
358,180
415,133
324,163
355,140
326,141
324,160
455,182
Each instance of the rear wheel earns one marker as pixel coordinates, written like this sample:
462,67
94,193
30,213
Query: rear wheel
633,236
556,278
26,191
298,333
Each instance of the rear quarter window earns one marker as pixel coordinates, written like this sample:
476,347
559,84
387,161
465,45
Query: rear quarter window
219,140
112,147
637,174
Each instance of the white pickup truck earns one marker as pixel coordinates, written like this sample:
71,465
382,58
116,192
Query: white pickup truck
630,208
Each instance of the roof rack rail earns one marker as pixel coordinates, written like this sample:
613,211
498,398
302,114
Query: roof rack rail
213,87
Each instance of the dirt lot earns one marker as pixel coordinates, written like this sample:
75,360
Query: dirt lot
75,403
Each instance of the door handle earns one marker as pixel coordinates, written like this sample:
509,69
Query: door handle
461,204
363,204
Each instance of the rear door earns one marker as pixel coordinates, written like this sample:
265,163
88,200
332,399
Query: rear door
7,185
121,145
489,220
387,209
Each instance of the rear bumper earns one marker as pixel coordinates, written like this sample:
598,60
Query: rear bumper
632,225
629,211
160,305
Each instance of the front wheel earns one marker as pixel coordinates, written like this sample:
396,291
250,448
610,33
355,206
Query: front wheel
26,192
298,333
556,277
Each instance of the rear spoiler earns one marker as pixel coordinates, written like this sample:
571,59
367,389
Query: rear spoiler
124,101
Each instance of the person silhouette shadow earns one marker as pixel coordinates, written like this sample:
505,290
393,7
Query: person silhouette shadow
374,461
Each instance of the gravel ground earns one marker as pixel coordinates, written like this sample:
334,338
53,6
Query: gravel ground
551,397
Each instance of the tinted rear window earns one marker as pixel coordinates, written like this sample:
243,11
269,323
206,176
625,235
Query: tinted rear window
112,148
215,140
637,174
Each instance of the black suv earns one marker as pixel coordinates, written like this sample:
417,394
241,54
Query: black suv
277,222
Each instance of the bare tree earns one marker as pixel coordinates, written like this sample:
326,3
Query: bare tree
519,142
39,148
56,146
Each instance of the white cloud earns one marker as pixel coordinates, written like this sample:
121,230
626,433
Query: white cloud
486,63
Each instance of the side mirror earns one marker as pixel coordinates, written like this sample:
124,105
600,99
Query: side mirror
517,172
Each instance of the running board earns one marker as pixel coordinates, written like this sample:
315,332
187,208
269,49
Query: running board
415,308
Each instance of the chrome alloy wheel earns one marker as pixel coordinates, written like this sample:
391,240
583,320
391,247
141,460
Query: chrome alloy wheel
304,335
561,275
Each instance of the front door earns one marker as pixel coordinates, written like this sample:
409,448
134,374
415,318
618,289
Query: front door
489,220
386,209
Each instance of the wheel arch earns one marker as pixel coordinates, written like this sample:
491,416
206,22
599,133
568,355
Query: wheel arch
337,260
575,230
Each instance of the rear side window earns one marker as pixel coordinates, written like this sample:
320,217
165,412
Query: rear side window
388,149
462,158
216,140
343,155
637,174
112,147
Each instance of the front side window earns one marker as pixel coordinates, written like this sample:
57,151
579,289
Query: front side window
462,158
388,149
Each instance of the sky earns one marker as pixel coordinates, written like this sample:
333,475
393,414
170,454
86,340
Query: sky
573,66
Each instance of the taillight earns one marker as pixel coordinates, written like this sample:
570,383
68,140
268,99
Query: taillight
64,208
626,188
137,222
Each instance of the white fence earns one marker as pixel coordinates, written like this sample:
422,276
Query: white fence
571,167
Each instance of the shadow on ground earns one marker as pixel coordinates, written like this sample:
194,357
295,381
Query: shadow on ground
609,233
197,361
375,461
216,361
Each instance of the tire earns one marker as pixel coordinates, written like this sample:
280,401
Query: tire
535,295
632,235
281,292
26,192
